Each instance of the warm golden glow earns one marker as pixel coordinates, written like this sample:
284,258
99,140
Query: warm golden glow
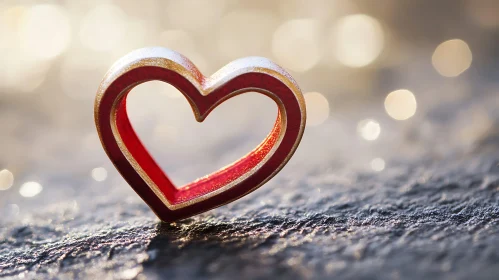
6,180
103,28
99,174
30,189
317,108
45,31
400,104
369,129
357,40
12,17
452,57
296,44
25,54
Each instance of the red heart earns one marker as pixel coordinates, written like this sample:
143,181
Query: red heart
203,93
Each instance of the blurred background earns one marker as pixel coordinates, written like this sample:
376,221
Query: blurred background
386,82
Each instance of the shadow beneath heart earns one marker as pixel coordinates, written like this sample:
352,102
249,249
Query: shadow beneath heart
196,249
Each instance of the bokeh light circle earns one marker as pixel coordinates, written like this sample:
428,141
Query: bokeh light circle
296,44
6,180
452,57
45,31
369,129
377,164
357,40
317,108
30,189
400,104
103,28
99,174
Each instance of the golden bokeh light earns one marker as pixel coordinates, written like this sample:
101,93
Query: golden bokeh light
377,164
296,44
22,73
317,108
26,56
12,17
103,28
30,189
400,104
99,174
357,40
369,129
452,57
45,31
6,180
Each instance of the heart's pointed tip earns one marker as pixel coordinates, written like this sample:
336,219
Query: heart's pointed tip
200,116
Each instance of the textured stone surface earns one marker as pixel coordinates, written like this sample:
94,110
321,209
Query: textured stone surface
426,219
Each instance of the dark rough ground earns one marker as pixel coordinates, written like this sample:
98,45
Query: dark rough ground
427,219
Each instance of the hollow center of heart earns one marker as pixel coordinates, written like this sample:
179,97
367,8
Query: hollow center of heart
186,149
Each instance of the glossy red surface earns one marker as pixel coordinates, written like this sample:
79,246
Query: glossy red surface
220,187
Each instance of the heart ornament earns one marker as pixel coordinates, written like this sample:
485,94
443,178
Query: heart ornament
204,94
